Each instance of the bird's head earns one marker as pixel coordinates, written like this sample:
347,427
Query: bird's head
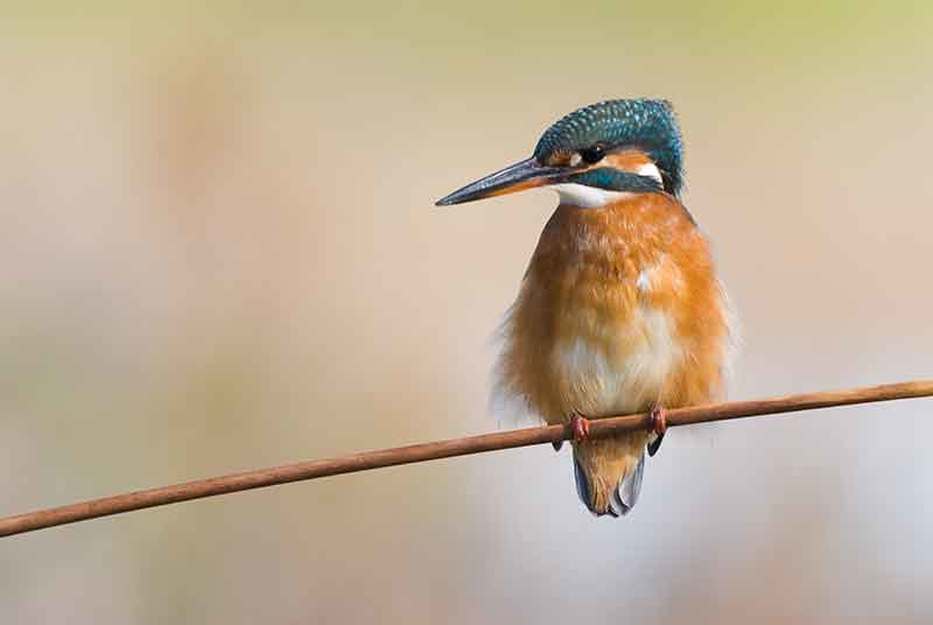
616,146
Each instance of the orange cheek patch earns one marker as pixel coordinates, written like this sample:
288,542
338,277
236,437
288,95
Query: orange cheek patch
627,160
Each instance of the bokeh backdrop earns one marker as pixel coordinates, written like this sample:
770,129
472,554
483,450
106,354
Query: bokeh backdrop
218,251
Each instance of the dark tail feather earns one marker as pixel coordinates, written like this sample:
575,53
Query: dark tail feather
626,493
583,485
624,496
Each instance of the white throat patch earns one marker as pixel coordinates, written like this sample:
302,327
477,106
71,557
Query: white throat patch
573,194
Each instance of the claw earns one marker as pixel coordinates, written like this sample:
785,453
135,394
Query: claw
658,423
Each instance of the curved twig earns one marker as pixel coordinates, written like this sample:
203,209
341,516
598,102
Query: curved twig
422,452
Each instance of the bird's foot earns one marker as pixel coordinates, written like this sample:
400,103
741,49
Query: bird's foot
579,430
657,420
580,426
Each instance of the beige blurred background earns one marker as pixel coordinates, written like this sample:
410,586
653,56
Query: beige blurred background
219,251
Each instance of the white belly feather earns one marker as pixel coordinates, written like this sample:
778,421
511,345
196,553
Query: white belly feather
629,376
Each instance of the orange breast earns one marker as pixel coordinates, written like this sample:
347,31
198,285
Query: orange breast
620,309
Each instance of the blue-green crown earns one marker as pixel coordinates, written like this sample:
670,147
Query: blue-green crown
643,123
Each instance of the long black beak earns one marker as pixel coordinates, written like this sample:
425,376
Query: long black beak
523,175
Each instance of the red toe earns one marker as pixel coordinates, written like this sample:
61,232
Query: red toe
658,420
580,426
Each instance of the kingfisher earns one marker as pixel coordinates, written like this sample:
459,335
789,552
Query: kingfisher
620,309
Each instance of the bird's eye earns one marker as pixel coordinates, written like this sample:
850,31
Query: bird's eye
593,154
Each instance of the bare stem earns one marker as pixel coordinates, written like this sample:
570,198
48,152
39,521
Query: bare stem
260,478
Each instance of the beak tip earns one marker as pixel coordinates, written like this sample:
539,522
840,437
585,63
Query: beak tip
449,200
522,175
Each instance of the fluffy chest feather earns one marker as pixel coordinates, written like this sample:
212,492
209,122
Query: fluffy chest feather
607,319
619,370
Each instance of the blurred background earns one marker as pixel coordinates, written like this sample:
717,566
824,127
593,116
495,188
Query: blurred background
219,252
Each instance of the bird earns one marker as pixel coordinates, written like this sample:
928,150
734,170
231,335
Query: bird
620,309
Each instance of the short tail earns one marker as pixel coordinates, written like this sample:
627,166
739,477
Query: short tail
608,474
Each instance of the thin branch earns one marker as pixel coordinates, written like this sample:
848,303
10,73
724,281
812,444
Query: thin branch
364,461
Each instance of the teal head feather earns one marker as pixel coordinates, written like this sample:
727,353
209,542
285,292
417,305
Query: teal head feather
572,151
649,125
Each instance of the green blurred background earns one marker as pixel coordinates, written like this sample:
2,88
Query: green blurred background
219,251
